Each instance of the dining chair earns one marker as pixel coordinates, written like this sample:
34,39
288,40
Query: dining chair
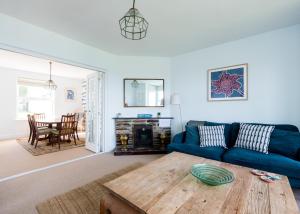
66,128
39,118
39,133
30,127
77,116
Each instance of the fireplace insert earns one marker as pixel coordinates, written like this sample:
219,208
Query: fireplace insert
142,136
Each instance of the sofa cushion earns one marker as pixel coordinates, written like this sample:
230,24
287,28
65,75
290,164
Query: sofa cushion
286,143
227,131
269,162
254,137
214,153
192,135
212,136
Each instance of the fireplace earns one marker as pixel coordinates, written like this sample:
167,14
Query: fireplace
137,136
142,136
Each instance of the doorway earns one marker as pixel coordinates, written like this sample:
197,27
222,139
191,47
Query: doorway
79,93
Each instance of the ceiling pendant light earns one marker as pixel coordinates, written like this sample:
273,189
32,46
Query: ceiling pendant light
133,25
135,84
50,84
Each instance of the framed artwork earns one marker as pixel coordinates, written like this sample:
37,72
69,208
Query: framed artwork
70,94
228,83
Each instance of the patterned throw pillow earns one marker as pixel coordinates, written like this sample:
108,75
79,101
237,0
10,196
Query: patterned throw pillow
254,137
212,136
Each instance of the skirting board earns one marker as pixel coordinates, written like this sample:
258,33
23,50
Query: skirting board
11,136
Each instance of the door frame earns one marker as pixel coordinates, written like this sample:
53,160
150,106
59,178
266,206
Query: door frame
100,105
44,56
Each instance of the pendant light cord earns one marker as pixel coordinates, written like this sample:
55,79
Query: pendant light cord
133,3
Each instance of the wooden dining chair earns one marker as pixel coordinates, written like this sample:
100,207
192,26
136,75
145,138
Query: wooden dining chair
66,129
77,116
39,118
39,133
30,127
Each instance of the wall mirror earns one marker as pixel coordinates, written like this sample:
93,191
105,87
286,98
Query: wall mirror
144,93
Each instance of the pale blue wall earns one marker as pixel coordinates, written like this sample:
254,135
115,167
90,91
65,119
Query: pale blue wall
274,74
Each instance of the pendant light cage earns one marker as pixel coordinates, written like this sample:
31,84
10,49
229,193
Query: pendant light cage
133,25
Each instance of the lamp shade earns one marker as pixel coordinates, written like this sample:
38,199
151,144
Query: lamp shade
175,99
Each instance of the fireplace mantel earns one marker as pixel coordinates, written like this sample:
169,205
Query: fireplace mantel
161,135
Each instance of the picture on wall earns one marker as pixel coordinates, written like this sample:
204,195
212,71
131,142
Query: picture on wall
228,83
70,94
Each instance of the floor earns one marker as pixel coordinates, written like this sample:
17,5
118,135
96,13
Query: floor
14,159
25,192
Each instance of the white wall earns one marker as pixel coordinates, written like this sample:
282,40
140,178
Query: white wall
15,34
10,126
135,67
274,74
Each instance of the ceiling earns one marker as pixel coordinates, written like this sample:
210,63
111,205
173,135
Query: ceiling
176,26
37,65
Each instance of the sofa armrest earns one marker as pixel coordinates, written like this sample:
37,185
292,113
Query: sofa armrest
179,138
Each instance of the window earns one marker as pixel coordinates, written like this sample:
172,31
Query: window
34,97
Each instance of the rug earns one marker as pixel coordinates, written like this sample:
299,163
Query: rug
82,200
42,147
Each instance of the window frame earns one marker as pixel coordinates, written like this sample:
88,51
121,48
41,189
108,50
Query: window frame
32,83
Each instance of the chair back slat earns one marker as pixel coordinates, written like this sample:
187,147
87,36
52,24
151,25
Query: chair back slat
39,116
68,124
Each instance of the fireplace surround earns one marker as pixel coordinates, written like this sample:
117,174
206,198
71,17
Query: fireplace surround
144,135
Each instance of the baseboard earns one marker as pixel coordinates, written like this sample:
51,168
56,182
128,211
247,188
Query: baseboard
12,136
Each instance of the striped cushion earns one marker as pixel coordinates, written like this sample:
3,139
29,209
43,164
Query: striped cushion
212,136
254,137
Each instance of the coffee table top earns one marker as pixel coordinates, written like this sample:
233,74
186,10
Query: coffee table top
166,186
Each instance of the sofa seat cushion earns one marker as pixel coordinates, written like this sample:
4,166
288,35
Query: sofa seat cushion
211,152
269,162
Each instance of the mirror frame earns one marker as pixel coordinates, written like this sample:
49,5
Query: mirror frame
163,105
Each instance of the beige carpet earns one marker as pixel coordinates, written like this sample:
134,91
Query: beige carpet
14,159
21,195
82,200
42,147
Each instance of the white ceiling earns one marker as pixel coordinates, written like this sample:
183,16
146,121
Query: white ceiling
176,26
37,65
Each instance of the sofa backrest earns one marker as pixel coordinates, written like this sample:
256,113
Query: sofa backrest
195,123
235,127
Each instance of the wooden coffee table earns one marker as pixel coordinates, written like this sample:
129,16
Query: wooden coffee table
165,186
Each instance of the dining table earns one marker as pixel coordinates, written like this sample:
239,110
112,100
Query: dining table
51,123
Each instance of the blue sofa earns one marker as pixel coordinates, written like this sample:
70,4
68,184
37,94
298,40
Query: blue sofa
283,157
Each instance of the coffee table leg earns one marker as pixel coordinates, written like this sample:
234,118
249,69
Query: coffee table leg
110,204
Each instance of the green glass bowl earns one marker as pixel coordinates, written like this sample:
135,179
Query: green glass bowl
212,175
